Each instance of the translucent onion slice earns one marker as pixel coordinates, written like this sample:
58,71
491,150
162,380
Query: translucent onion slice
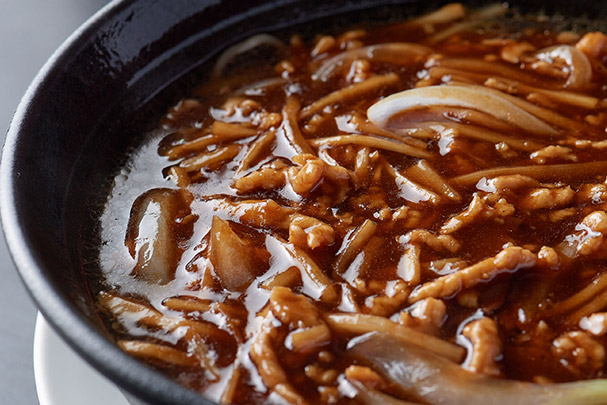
580,70
150,237
468,97
400,53
436,380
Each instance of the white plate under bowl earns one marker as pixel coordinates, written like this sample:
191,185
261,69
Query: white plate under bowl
63,378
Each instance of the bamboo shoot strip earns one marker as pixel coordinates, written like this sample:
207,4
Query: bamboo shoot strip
313,272
423,173
255,150
475,19
360,324
196,145
365,127
151,318
352,245
540,112
487,68
209,158
560,172
445,14
290,126
596,304
158,352
561,96
354,90
487,135
469,131
371,142
594,288
228,132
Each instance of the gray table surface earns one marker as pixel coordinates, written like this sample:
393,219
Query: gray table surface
30,30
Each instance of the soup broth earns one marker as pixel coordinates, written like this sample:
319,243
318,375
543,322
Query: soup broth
437,186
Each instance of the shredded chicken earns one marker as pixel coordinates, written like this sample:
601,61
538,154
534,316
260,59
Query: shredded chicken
486,346
360,70
579,352
303,179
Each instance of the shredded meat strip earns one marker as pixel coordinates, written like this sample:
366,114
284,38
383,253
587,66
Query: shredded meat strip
578,351
438,243
589,238
541,198
490,206
510,259
270,370
553,152
595,323
314,173
486,346
427,316
310,232
308,333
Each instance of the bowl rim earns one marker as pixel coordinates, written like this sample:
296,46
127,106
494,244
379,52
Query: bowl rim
126,372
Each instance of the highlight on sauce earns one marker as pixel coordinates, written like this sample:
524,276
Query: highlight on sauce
413,213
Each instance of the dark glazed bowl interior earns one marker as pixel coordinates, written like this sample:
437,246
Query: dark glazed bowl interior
77,122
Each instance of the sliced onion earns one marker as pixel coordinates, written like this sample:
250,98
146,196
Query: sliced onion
242,47
476,98
580,70
150,238
400,53
233,259
437,380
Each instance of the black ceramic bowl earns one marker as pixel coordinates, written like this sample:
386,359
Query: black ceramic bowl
78,119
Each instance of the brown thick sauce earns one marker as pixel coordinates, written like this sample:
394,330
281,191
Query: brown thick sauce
525,300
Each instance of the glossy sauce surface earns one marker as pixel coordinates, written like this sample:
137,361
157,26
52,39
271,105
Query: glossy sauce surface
259,224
